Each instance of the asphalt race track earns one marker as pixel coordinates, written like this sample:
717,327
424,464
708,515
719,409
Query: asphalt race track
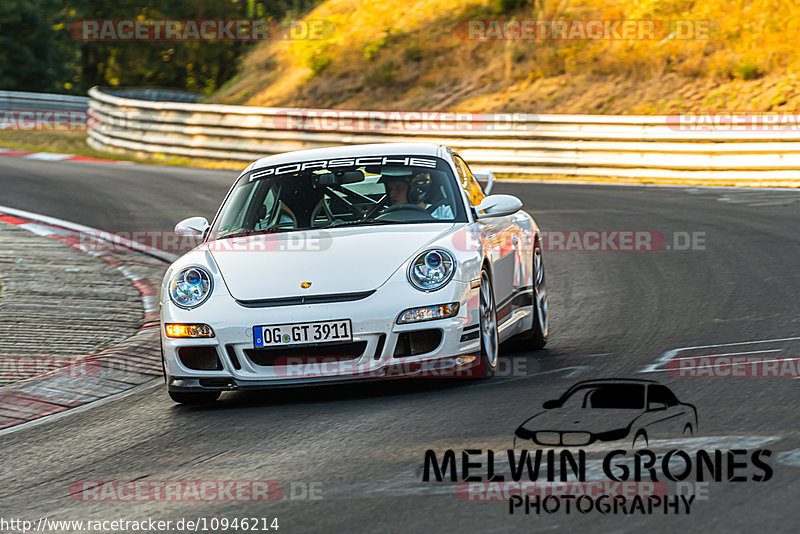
613,314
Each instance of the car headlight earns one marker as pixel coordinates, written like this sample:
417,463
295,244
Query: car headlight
431,270
428,313
190,287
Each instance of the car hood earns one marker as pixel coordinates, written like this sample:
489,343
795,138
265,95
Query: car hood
594,420
337,260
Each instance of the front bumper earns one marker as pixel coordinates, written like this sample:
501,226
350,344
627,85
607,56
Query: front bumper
376,337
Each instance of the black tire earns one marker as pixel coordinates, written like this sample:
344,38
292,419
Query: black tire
163,364
536,337
194,397
640,435
489,339
687,430
541,315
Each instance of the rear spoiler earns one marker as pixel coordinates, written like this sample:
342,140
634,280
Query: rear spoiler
484,175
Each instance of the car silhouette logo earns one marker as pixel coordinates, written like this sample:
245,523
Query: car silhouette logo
609,410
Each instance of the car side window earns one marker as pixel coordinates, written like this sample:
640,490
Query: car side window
468,182
660,393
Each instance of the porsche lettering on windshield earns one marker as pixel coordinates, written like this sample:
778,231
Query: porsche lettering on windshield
342,162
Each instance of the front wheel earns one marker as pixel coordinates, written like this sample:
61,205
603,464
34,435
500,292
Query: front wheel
194,397
488,329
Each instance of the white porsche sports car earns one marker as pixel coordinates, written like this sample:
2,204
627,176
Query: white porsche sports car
351,263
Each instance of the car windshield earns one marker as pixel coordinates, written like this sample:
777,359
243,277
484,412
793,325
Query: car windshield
607,396
341,192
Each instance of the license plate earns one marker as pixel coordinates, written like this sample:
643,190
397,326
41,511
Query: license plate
302,333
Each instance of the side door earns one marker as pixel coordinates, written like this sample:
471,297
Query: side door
497,234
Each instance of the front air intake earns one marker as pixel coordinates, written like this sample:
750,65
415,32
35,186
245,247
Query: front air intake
200,358
417,342
333,352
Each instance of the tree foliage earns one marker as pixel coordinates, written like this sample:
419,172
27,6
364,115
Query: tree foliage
37,52
34,54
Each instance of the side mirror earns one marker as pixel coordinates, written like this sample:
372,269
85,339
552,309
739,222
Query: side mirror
656,406
549,405
484,175
193,226
498,206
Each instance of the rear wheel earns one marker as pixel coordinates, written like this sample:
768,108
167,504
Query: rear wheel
488,328
536,337
194,397
541,318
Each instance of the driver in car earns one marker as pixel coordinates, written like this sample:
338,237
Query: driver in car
398,188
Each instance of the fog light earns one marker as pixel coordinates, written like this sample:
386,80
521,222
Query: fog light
188,330
428,313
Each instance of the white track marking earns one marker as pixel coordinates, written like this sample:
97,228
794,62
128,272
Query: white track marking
165,256
48,156
759,198
742,343
791,458
775,203
43,230
660,364
731,364
575,370
734,353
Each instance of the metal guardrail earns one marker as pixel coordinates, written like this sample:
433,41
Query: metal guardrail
20,100
155,94
641,146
